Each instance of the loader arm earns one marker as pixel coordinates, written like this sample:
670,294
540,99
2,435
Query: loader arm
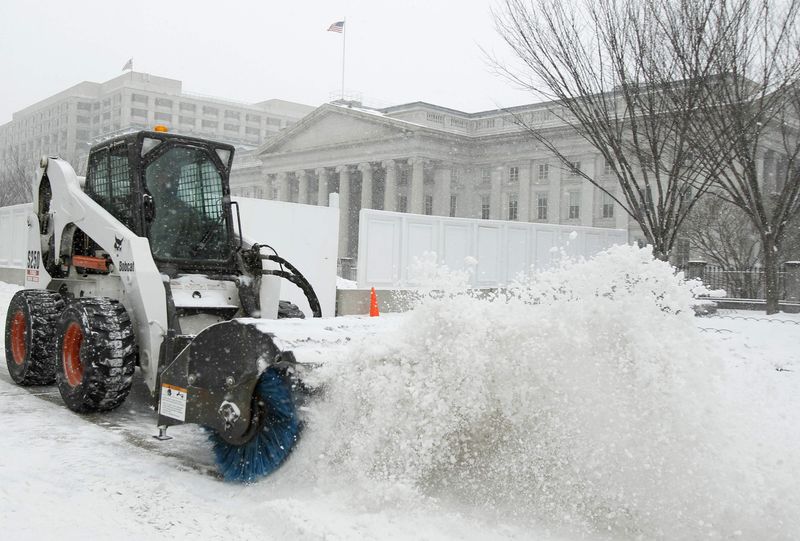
140,290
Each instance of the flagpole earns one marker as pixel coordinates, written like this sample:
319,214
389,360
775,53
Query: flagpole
344,41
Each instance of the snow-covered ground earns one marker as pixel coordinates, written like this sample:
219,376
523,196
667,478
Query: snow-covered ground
589,404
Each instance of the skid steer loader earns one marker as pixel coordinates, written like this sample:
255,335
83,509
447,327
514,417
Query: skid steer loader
143,263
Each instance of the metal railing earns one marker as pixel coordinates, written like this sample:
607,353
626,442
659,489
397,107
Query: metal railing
741,284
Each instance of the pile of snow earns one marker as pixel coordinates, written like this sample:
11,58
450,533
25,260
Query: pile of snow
344,283
585,400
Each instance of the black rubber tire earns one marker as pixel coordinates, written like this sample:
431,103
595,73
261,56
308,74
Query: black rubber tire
288,310
30,336
96,355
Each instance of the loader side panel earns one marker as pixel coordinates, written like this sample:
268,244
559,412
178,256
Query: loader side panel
144,295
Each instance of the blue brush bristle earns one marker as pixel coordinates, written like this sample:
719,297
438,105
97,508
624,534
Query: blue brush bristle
269,448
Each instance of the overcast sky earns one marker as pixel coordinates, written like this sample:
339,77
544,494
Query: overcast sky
396,51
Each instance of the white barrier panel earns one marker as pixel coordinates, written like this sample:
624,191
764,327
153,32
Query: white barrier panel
14,235
388,243
305,235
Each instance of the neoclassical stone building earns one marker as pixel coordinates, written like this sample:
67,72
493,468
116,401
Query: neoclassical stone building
425,159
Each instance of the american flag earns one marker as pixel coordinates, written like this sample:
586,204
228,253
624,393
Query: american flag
338,26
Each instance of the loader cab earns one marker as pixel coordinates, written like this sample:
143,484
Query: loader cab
172,189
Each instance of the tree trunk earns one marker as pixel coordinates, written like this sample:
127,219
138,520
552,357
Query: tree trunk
771,268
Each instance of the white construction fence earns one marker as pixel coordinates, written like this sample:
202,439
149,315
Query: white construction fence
305,235
496,250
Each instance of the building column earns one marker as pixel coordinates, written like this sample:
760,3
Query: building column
554,196
524,198
417,195
283,186
269,186
588,192
390,190
344,209
366,184
441,191
302,186
322,189
495,196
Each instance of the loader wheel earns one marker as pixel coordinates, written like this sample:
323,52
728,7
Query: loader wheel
30,336
288,310
96,355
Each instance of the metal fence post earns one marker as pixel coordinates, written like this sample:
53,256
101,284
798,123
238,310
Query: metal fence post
695,269
792,281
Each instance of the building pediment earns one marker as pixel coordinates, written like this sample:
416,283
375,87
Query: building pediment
332,126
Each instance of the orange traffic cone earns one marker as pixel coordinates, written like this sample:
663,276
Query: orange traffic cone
373,304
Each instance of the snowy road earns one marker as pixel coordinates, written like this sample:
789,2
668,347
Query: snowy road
700,437
65,477
99,476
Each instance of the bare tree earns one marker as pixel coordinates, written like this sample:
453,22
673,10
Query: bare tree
751,120
721,234
15,180
626,77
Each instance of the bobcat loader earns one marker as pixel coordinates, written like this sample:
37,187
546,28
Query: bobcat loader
142,263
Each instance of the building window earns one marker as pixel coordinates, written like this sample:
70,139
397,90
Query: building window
142,113
574,169
166,117
85,119
186,120
233,114
107,115
84,106
163,102
608,206
188,107
453,175
544,171
404,175
608,168
251,131
402,203
541,205
574,205
428,205
139,98
231,127
513,174
253,118
453,205
210,124
647,197
486,175
513,205
273,121
485,207
213,111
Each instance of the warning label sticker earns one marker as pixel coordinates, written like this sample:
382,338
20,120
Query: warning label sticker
173,402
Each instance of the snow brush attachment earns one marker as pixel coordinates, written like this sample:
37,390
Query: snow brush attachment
275,432
234,380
